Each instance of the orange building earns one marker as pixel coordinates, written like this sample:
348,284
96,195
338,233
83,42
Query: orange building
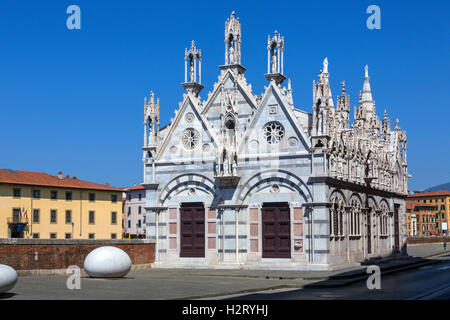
428,210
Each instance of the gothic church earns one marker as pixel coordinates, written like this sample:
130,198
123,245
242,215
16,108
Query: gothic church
242,180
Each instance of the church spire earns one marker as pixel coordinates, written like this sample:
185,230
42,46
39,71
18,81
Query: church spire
192,77
367,92
275,56
151,121
232,40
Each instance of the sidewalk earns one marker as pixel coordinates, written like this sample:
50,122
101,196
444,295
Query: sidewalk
196,283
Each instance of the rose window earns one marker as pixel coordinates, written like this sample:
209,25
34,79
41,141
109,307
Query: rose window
190,138
273,132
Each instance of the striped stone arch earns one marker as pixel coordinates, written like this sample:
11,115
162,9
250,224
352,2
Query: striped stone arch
186,181
281,177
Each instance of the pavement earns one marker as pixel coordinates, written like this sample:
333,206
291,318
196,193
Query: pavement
164,284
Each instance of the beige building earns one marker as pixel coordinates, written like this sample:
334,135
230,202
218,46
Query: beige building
39,205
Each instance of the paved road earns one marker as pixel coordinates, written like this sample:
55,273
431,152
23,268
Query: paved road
425,283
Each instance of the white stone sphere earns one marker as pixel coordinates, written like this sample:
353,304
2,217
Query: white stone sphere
107,262
8,278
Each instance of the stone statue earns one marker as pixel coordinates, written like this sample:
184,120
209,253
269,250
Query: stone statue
274,63
325,65
192,72
231,56
320,123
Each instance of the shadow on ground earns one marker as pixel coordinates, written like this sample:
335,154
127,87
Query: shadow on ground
6,295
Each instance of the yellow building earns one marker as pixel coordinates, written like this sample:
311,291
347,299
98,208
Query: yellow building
39,205
431,209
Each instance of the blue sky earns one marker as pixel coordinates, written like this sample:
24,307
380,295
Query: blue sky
72,100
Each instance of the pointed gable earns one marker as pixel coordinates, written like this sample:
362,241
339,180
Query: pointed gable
244,101
273,111
189,135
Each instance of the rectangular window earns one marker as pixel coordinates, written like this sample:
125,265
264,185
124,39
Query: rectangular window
53,216
53,194
68,195
140,197
129,197
114,198
129,223
113,236
36,194
129,210
92,197
68,236
16,215
35,235
139,223
68,216
53,235
139,209
91,235
113,217
16,192
36,216
91,217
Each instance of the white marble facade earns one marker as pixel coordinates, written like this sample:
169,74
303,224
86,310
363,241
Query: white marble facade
344,185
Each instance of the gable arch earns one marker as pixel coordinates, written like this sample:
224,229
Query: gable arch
384,205
337,194
355,198
268,177
186,181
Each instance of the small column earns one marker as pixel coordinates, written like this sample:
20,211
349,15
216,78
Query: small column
200,71
226,52
239,54
278,59
268,60
145,133
185,70
195,70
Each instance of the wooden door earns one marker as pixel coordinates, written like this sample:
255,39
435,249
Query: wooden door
276,230
192,230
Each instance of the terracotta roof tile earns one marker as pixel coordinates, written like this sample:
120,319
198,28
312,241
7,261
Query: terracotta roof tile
45,179
430,194
138,187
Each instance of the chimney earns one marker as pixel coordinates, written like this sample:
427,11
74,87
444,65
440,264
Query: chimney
107,184
74,177
60,176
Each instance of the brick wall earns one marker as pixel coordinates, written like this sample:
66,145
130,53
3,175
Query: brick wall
20,254
424,240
